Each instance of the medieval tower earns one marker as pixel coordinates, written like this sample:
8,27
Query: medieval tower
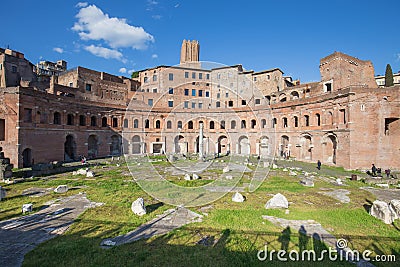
190,51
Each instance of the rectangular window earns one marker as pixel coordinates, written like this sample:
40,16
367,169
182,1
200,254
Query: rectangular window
14,69
186,104
218,104
343,115
150,102
226,94
88,87
2,130
230,103
171,91
200,93
207,76
155,90
186,74
71,84
186,91
200,76
1,66
193,75
218,95
193,92
171,76
193,105
207,94
154,78
145,79
27,115
255,79
170,103
200,105
258,101
243,102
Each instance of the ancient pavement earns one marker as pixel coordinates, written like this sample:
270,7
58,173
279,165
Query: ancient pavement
164,223
21,235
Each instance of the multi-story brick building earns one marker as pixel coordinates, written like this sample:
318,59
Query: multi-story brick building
344,119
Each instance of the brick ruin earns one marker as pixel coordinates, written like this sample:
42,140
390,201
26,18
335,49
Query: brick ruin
344,120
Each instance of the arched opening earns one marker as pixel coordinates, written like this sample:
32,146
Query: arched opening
274,121
69,148
223,146
180,145
57,118
306,120
296,121
190,125
243,124
222,124
146,124
330,147
284,148
244,146
135,123
263,123
233,124
115,147
179,124
306,147
104,122
93,121
158,124
27,158
136,144
126,123
169,124
212,124
82,120
253,124
329,118
70,119
92,146
114,122
285,122
318,118
282,98
294,94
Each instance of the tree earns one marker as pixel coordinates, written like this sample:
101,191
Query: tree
135,74
388,76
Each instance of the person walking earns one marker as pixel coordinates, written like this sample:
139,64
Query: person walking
318,164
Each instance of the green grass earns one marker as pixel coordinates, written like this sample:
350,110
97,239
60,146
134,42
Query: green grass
237,230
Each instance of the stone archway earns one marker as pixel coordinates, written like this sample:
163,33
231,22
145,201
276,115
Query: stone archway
27,158
136,144
244,145
330,148
306,147
284,149
115,146
223,146
180,145
92,146
69,148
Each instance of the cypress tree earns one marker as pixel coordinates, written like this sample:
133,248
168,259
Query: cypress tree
388,76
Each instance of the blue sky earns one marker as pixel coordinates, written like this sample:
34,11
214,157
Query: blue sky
120,36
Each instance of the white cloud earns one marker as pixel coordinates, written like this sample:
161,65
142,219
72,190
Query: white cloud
130,71
398,56
93,24
157,17
122,70
58,50
177,5
105,52
154,56
81,4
